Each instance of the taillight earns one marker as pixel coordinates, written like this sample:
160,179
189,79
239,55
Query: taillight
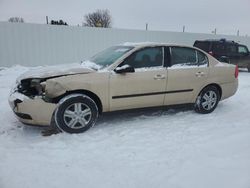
236,74
211,53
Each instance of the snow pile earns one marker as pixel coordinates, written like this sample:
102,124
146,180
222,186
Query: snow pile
186,66
138,43
90,65
153,148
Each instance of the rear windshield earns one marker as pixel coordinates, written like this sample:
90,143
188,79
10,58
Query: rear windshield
202,45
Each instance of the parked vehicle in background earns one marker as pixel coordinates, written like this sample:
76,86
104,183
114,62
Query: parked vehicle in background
226,51
122,77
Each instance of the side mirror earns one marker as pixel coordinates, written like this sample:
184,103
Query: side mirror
124,69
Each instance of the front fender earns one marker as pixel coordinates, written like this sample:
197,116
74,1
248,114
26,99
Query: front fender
97,84
54,89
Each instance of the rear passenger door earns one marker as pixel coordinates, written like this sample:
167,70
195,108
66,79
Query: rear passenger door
187,73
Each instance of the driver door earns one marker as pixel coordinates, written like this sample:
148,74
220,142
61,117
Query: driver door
143,88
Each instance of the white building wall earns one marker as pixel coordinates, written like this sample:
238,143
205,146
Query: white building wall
36,44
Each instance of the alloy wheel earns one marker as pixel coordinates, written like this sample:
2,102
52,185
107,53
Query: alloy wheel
77,115
209,100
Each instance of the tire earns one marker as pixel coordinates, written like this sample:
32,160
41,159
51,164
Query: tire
207,100
248,68
76,113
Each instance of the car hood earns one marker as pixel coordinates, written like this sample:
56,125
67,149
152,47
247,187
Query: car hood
57,70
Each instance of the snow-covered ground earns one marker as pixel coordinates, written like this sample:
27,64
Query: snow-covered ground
157,148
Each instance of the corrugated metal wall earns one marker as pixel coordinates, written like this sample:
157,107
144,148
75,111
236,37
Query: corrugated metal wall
35,44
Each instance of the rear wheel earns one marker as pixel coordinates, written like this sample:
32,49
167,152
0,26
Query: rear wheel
208,100
76,113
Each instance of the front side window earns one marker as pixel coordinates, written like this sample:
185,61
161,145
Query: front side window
242,50
145,58
183,56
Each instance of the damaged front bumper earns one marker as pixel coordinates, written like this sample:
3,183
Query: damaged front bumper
32,111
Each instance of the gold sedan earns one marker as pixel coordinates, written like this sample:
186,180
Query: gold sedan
128,76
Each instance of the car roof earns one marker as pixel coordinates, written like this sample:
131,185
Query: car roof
218,40
148,44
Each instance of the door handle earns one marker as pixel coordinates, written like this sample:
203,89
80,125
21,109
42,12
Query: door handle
200,74
159,77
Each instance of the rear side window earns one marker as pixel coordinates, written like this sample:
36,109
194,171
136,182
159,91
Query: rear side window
183,56
202,59
219,48
204,45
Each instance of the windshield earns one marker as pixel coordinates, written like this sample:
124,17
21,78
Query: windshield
110,55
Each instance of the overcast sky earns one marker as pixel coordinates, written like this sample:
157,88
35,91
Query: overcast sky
200,16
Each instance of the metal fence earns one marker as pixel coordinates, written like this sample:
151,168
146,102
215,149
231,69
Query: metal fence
36,44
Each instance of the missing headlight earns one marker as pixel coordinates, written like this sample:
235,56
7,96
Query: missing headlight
40,87
32,87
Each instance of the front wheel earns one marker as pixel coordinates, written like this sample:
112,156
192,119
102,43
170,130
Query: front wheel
208,100
76,113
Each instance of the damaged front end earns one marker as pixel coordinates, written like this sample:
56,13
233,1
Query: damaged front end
29,102
34,97
32,87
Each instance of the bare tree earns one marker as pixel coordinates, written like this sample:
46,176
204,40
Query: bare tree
16,19
99,18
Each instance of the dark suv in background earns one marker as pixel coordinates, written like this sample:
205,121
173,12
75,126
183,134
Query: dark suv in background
226,51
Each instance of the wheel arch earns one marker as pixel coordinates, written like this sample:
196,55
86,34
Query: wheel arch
90,94
214,85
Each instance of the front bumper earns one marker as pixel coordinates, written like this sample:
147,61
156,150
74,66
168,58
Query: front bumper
32,111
